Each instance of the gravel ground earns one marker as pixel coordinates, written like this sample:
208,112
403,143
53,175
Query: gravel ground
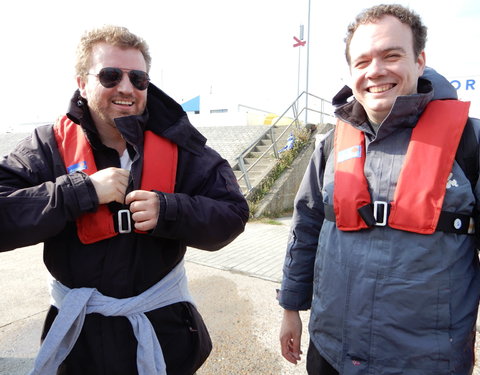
244,319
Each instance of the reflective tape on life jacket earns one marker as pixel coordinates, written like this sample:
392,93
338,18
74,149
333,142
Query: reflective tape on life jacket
158,173
420,190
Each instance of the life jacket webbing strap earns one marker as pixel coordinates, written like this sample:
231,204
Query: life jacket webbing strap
448,222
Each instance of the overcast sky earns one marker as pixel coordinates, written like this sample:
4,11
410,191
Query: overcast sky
242,50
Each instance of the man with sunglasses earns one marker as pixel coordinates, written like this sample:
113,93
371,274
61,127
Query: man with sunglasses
117,189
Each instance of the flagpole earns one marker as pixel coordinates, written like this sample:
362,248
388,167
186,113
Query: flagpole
298,74
299,59
308,62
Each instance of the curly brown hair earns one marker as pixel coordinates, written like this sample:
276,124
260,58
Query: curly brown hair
403,14
115,35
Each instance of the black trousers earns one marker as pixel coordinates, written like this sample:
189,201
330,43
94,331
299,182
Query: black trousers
316,364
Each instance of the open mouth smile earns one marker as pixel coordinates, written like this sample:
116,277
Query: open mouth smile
381,88
123,102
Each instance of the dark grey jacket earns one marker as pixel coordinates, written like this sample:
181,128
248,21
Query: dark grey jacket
384,301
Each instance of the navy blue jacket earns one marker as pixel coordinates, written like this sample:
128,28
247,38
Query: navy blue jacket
39,202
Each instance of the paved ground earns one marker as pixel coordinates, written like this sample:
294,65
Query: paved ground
258,252
234,289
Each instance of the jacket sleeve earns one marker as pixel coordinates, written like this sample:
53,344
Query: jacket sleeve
37,197
207,210
476,128
297,284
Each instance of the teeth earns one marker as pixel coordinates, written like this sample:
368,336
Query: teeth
122,102
378,89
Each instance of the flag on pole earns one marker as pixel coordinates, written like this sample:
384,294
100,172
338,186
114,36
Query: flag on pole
299,43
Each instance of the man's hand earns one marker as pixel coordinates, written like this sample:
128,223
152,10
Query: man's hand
110,184
290,336
145,208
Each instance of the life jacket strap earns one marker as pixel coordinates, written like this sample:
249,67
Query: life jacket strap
377,213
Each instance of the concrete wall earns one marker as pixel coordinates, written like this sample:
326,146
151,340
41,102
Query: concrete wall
282,195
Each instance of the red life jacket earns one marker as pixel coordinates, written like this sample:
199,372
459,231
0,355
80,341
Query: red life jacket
421,186
159,172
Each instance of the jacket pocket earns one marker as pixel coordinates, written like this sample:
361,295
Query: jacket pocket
183,336
200,336
411,323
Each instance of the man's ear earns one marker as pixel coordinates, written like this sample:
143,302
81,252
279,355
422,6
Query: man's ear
81,86
421,63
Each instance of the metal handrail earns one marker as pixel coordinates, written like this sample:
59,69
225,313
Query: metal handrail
269,129
252,108
294,107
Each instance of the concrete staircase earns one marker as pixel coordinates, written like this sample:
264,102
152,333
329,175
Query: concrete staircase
249,150
260,158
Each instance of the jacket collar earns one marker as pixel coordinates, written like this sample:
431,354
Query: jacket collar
163,116
405,111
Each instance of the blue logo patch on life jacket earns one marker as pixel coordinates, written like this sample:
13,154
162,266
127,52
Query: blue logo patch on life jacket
77,167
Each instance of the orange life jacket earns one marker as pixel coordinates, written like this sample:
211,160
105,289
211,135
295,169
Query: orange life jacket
159,172
421,186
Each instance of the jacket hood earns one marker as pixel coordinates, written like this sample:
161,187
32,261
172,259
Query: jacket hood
442,88
163,116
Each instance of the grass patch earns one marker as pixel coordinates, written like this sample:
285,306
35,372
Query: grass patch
286,159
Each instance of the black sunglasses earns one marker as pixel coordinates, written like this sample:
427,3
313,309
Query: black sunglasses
110,77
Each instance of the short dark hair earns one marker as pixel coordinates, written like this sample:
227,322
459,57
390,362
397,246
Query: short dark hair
403,14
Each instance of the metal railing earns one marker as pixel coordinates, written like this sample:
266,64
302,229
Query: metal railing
319,111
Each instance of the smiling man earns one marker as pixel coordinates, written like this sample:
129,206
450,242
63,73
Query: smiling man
117,189
383,65
382,248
